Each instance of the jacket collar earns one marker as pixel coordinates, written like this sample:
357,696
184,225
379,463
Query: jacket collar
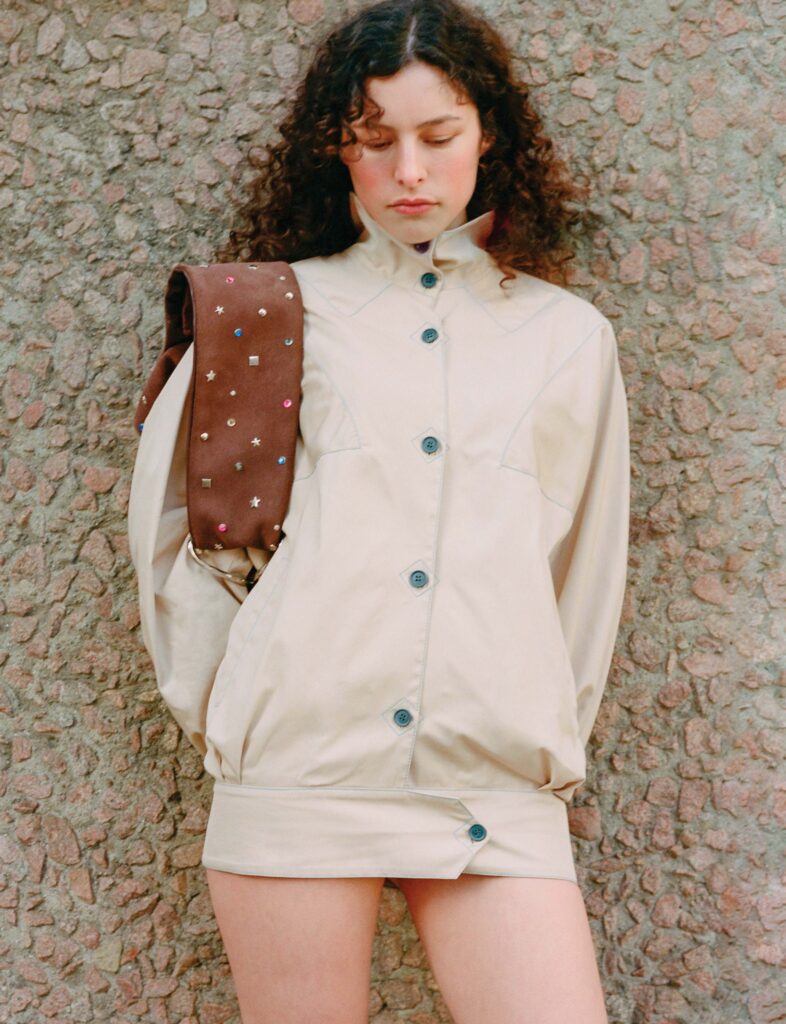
456,249
376,262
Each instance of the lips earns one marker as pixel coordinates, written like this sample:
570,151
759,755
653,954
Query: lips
413,206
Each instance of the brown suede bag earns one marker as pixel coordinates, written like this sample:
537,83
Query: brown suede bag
245,321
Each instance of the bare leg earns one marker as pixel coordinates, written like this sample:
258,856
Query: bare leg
517,950
299,948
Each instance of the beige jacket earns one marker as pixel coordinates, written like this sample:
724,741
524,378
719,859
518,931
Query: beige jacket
409,688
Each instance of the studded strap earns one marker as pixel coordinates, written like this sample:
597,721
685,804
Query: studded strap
246,323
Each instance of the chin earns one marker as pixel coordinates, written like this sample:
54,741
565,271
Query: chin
418,229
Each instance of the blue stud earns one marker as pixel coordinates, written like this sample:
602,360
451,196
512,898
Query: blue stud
238,331
282,459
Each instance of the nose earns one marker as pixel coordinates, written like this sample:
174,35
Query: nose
409,166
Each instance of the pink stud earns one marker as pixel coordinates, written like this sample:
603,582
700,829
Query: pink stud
222,527
287,402
230,279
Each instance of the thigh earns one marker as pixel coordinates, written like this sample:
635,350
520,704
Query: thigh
299,949
517,950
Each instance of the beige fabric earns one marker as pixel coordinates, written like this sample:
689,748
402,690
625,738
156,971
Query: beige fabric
519,520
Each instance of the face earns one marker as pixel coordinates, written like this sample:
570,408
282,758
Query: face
425,146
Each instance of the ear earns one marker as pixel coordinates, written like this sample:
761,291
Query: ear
486,144
348,152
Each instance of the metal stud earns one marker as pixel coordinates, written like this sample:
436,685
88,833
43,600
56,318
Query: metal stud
238,465
253,360
289,295
272,546
207,481
203,435
256,442
262,311
144,399
231,421
219,310
282,277
218,546
210,374
254,503
233,392
252,266
289,341
277,526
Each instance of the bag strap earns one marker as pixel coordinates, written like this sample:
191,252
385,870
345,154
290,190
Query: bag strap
246,323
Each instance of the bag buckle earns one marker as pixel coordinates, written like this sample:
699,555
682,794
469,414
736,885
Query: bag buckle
248,581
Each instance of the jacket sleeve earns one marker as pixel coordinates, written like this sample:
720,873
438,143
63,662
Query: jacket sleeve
589,565
185,610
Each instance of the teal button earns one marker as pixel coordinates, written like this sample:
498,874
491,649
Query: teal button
429,444
418,578
430,334
477,832
428,280
402,717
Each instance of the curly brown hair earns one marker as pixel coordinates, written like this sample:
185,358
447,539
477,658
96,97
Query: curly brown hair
297,203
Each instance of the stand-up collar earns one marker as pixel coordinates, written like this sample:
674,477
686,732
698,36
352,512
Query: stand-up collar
459,248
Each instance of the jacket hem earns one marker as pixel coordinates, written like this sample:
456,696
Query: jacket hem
325,832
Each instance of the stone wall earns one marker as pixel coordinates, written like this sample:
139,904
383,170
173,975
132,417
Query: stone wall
124,132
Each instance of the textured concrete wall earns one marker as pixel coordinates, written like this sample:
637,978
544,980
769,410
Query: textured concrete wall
124,129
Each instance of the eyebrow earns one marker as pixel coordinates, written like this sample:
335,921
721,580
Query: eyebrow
423,124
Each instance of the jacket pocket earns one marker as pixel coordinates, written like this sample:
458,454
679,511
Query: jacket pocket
244,625
548,444
553,439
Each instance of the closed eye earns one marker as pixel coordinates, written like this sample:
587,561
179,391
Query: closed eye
431,142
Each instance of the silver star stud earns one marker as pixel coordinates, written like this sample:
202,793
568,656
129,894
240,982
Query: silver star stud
219,310
254,503
211,374
256,441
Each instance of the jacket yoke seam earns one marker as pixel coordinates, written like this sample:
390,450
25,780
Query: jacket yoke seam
485,305
355,309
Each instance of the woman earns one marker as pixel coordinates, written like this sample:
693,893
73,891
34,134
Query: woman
406,694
